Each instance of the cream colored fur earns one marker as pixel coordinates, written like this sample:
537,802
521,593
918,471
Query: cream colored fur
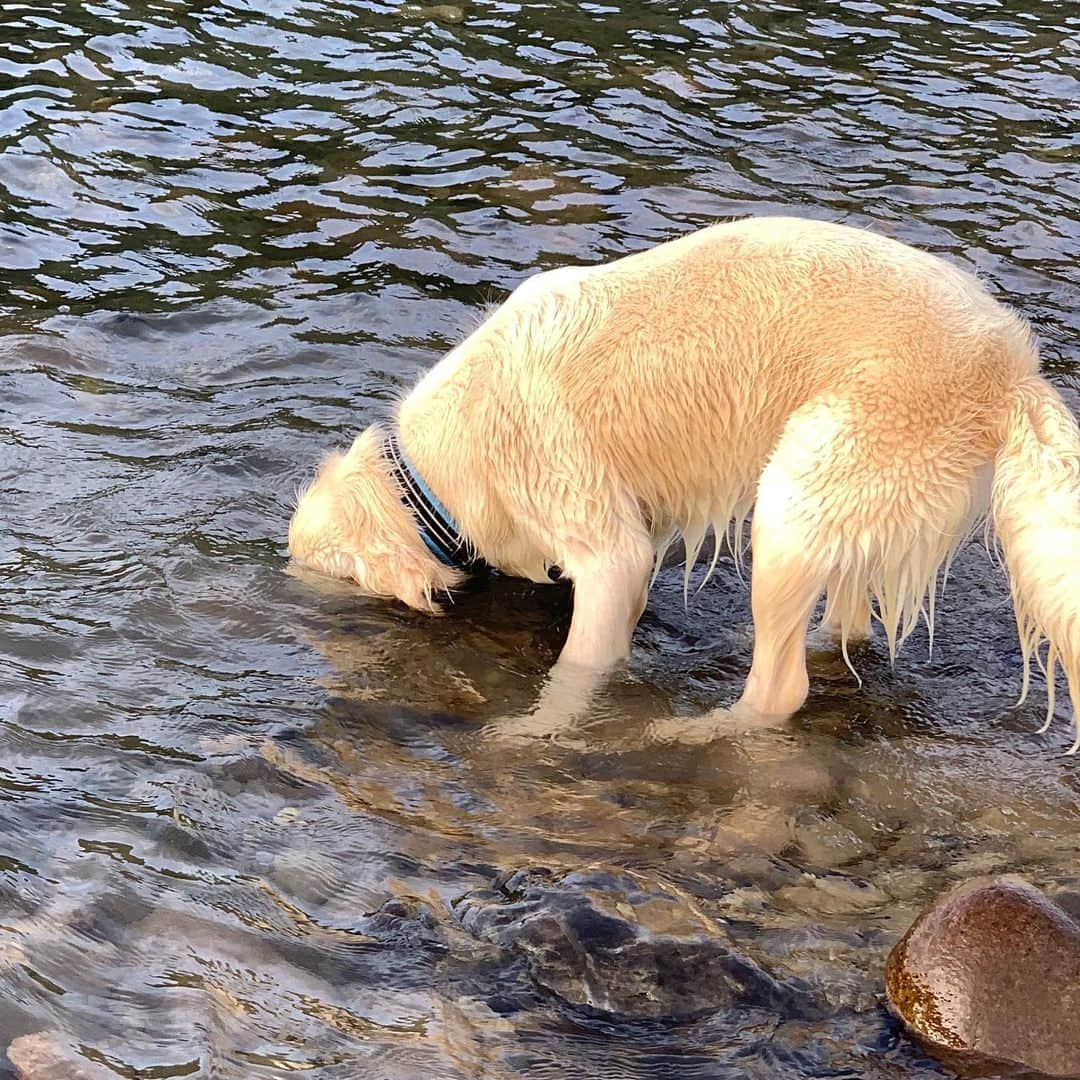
867,400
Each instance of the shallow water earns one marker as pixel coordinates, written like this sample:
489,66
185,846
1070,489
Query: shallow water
231,234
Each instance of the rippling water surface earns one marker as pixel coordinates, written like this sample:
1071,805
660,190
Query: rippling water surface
238,808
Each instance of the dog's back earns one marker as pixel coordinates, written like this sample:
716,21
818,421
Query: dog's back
677,368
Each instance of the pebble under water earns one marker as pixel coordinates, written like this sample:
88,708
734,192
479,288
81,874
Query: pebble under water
251,825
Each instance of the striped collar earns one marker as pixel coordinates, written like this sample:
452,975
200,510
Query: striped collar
437,528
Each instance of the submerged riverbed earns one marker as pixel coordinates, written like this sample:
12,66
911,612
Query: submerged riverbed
248,821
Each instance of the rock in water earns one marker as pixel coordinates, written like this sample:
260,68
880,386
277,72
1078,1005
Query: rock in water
48,1055
993,970
622,944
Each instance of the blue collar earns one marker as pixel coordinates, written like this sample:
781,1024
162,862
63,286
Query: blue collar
437,528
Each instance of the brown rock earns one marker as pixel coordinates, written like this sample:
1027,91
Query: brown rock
992,971
48,1055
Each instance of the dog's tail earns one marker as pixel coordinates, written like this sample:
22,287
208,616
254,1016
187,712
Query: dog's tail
1035,502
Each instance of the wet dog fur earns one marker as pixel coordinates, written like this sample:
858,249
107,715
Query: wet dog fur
869,403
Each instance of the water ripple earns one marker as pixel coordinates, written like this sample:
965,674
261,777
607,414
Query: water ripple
235,803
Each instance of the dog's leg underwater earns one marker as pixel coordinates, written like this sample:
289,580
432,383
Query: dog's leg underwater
610,592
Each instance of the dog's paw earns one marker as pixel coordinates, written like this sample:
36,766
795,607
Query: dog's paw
727,723
531,728
689,730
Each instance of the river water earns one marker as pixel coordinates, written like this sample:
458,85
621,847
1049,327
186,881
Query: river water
239,808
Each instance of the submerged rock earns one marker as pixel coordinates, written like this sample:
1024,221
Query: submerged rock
621,944
993,970
442,13
48,1055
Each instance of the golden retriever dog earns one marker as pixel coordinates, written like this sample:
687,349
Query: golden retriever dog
866,401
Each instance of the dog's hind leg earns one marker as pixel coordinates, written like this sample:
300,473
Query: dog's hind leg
807,503
785,585
850,502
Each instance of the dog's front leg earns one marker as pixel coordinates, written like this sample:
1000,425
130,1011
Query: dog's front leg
609,597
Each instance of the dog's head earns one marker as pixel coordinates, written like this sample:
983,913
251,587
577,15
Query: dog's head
349,523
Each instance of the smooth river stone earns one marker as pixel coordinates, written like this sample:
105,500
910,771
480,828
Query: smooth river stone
623,944
992,970
48,1055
